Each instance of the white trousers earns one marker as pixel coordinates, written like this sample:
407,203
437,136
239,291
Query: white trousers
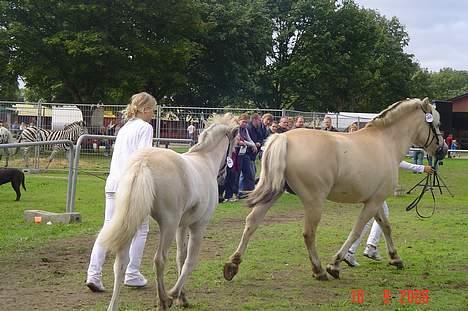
374,236
98,254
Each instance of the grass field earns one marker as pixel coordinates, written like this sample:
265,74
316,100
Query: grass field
276,272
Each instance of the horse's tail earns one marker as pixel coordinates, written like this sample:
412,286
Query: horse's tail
133,204
272,177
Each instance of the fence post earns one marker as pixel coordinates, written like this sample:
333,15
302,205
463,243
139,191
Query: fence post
158,124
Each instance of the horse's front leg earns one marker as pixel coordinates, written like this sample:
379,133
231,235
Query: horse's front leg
193,249
384,224
312,216
253,220
367,212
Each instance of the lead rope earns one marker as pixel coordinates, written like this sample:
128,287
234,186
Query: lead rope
426,187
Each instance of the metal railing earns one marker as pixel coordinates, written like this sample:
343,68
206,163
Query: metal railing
69,143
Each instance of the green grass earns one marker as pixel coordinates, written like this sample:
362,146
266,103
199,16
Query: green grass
276,272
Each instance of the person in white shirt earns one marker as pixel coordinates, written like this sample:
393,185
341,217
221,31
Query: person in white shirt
371,250
137,133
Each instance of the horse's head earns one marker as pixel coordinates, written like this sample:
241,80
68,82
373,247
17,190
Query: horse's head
429,136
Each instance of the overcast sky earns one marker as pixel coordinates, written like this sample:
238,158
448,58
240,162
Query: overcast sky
438,30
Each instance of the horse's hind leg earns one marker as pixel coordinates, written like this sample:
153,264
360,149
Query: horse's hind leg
193,249
384,224
313,213
253,220
368,211
182,245
167,234
120,264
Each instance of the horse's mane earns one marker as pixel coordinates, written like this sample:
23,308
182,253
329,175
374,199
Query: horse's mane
217,125
394,112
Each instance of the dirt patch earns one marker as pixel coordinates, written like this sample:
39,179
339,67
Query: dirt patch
51,277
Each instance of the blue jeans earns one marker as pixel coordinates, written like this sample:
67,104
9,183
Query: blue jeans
418,157
231,184
247,177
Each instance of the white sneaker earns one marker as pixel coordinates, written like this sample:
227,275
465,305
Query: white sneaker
372,252
95,285
135,281
350,260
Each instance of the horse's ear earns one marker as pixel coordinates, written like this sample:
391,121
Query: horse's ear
426,104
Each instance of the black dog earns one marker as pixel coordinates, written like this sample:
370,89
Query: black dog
15,176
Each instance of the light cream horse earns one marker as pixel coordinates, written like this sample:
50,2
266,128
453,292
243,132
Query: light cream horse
343,167
180,192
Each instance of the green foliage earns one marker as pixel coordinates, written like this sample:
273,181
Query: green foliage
307,55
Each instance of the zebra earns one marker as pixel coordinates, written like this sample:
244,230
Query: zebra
33,134
5,138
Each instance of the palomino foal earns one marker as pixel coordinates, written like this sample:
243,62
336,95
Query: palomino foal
180,192
343,167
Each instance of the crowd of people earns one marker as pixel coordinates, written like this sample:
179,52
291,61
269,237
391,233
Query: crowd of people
253,132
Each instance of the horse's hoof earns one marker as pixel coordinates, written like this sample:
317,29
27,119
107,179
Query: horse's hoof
321,277
182,301
230,270
333,272
397,263
165,305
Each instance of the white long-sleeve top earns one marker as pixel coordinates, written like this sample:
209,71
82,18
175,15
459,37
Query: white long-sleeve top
134,135
411,167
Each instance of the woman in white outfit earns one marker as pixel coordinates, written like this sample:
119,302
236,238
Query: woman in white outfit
374,236
137,133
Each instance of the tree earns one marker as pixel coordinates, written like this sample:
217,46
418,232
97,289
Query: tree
449,83
84,51
8,83
233,46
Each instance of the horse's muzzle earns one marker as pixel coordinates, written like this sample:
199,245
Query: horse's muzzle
441,152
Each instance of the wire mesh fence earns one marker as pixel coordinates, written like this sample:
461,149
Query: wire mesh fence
170,125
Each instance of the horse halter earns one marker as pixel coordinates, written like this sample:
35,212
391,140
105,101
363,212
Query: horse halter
441,150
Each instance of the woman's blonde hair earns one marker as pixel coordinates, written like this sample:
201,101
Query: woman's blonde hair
138,103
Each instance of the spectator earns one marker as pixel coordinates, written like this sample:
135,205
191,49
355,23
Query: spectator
23,126
267,120
273,128
448,141
247,148
327,125
299,123
352,128
283,125
454,146
418,156
231,182
15,127
191,132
